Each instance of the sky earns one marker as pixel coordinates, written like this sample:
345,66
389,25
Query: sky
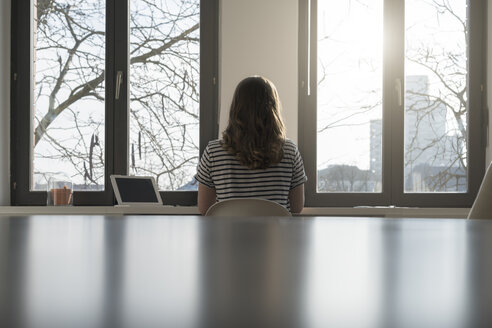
350,48
349,53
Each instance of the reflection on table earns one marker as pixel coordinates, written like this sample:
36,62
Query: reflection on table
187,271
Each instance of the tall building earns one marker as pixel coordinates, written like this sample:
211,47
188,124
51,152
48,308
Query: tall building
376,150
431,154
425,124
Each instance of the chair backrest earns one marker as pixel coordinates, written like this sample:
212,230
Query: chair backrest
247,207
482,207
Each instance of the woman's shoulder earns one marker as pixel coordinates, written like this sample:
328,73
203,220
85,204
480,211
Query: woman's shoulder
289,142
215,146
290,145
290,150
214,143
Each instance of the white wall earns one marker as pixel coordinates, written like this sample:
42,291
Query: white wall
4,101
259,37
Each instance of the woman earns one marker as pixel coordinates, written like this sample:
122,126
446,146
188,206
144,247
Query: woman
253,159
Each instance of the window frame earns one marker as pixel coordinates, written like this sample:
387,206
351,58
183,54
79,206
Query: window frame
116,111
392,126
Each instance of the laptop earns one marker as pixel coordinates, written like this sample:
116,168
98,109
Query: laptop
135,190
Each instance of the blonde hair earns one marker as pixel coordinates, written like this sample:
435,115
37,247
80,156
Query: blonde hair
255,133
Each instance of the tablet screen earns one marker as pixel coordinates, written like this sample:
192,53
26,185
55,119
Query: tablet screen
136,190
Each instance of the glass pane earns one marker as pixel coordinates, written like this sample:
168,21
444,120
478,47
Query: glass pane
349,104
164,97
68,85
435,96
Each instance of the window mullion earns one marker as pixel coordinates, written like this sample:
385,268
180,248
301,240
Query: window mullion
120,107
393,107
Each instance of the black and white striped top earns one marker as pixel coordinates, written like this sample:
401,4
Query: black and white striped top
220,170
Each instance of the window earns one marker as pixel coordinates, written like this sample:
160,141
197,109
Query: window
390,94
102,87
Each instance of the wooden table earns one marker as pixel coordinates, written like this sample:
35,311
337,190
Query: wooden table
189,271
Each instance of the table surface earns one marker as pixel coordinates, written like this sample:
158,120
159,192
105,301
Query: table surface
372,211
190,271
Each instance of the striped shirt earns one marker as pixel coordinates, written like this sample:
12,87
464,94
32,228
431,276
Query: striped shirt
222,171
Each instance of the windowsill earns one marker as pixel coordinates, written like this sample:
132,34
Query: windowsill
390,212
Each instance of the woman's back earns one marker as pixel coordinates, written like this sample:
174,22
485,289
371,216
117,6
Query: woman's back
254,158
224,172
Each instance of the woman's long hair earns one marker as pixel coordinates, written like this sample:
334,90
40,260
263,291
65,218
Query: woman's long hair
255,133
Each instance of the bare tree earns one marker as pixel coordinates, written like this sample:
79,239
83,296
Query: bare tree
438,110
435,107
345,178
164,96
